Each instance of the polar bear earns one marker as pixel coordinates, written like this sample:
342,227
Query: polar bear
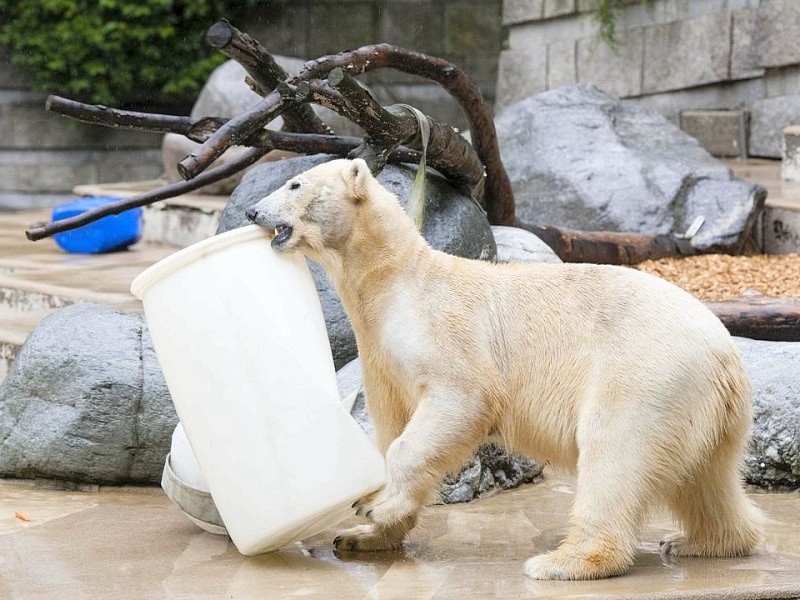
610,372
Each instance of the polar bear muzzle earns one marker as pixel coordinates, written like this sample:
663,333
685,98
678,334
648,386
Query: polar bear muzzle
281,232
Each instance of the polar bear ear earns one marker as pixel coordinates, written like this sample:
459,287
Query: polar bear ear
357,177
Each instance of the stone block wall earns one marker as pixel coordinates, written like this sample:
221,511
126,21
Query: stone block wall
468,33
673,55
42,156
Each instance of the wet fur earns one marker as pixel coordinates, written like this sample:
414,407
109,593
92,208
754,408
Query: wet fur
606,371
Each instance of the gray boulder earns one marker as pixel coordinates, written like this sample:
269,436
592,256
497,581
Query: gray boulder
520,245
773,459
580,159
86,401
490,470
453,224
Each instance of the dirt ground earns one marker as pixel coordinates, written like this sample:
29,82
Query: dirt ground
718,277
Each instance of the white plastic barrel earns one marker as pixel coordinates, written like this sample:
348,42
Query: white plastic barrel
240,336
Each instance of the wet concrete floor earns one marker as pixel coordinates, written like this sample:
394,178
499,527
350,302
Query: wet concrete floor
121,543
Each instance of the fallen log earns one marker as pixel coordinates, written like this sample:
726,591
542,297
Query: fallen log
760,318
607,247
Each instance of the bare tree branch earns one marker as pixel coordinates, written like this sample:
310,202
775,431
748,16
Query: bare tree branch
499,200
388,127
234,132
265,73
197,130
38,232
499,203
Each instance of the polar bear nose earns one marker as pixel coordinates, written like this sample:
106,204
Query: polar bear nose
251,215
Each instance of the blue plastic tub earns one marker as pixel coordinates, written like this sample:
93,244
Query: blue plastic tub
114,232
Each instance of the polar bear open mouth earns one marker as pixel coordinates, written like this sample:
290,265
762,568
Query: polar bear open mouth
281,235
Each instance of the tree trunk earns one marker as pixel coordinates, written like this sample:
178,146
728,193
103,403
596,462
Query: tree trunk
605,247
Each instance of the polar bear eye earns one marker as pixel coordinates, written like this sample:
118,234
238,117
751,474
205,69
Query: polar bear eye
294,185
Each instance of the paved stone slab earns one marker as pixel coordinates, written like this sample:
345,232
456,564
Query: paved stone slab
768,119
778,41
618,71
518,11
722,132
745,55
56,171
520,73
562,63
559,8
23,118
687,53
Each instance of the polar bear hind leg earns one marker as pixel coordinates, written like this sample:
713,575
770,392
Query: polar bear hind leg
716,516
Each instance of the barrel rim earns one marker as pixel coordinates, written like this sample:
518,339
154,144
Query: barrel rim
193,253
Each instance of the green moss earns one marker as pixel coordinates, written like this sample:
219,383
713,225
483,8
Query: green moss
117,52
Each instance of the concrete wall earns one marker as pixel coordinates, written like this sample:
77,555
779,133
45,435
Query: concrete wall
674,55
42,156
469,33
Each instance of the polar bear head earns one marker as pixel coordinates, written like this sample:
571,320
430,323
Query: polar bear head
316,210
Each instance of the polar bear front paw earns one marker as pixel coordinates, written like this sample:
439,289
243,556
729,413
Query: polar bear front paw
384,508
366,538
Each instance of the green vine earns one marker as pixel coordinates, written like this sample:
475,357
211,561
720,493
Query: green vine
606,17
116,52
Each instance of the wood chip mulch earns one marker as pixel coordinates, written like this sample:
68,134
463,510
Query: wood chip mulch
719,277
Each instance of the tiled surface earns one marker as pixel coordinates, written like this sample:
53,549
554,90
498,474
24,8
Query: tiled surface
41,267
131,543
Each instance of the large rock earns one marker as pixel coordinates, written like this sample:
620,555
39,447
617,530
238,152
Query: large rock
520,245
86,401
490,470
453,224
226,94
773,459
580,159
